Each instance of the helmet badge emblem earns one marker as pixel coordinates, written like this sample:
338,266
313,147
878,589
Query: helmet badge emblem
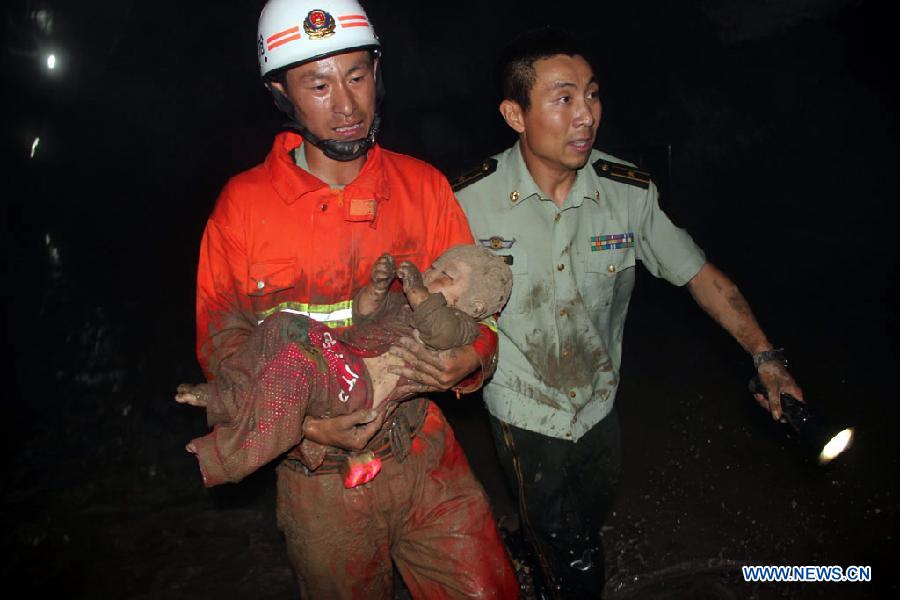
318,24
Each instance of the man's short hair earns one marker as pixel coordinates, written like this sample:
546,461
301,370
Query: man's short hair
515,69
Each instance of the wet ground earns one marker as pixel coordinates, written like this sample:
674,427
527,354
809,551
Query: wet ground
100,500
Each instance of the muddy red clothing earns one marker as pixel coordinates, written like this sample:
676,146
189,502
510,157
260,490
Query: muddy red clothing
429,514
291,367
279,239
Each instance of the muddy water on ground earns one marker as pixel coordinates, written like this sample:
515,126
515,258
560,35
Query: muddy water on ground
100,499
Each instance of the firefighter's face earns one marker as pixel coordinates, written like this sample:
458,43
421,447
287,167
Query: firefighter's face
334,97
558,129
450,277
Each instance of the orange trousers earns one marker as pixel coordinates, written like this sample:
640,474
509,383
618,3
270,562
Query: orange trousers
428,515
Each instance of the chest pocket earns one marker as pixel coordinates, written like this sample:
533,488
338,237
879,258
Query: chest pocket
520,298
606,273
270,283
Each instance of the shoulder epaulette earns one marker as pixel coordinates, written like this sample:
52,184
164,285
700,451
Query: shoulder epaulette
488,166
622,173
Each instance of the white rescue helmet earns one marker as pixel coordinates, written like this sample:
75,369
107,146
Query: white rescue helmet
292,32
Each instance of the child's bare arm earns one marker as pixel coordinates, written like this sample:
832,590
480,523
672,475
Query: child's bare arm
370,298
413,286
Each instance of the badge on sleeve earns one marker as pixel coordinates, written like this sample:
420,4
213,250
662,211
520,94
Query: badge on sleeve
612,241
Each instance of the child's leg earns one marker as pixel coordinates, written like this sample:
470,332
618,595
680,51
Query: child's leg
260,397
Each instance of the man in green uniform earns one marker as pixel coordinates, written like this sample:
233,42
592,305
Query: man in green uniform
572,222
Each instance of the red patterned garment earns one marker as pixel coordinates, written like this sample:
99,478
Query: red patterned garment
292,367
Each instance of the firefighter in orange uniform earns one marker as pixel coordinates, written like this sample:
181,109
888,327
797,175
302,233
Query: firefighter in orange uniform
300,233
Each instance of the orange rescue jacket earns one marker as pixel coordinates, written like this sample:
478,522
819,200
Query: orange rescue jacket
281,239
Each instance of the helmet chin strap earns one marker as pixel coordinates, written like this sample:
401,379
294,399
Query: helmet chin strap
339,150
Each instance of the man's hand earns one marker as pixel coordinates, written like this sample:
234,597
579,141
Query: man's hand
430,371
383,272
348,432
721,299
193,394
776,379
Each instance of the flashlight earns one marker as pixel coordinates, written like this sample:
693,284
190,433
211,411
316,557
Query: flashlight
827,441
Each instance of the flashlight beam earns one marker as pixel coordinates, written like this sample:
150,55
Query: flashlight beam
836,445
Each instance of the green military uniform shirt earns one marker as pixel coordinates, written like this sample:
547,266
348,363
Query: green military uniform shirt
573,272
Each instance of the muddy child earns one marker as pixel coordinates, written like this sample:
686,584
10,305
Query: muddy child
303,368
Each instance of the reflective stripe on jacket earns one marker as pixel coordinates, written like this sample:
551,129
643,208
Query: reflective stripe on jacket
281,239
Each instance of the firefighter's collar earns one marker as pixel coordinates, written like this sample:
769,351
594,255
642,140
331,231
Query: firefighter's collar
291,182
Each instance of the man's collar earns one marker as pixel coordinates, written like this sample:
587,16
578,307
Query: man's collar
522,183
523,186
291,182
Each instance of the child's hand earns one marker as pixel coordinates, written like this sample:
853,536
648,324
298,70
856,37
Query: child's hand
193,394
411,277
383,272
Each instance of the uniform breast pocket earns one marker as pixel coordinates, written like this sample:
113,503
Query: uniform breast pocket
270,283
605,271
520,298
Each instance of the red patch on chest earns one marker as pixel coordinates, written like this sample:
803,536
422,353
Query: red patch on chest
362,209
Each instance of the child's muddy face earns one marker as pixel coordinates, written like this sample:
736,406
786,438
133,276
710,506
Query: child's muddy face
449,277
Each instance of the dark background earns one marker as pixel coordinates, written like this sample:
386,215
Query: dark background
771,128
